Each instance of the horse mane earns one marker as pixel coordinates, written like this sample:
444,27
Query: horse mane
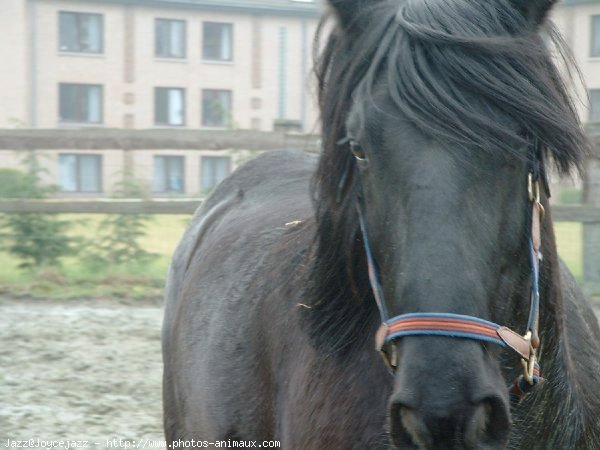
567,403
448,69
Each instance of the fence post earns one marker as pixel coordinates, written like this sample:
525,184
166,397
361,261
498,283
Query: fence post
591,231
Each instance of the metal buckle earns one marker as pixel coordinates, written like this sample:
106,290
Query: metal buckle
381,346
528,366
533,191
533,188
391,360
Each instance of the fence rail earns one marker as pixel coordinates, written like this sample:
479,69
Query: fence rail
589,216
116,139
100,206
583,214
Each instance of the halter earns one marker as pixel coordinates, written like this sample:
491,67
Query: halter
464,326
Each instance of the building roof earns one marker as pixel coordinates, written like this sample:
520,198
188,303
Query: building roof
579,2
306,8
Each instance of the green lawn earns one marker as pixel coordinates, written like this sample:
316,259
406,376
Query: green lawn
78,279
75,279
569,243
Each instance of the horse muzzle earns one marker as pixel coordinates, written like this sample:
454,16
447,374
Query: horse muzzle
458,401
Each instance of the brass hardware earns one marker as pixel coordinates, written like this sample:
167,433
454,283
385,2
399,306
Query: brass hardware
533,189
528,366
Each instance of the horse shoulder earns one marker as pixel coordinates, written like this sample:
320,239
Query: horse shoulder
211,344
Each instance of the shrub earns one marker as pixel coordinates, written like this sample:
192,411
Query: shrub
120,234
37,240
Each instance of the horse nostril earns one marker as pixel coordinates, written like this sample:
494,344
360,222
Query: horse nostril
407,430
478,424
489,423
484,425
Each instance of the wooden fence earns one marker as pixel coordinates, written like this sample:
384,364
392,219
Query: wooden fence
99,206
587,215
173,139
560,213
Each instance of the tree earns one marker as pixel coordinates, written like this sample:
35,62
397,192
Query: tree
37,240
120,234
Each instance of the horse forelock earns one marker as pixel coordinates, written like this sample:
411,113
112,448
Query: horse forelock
451,68
434,60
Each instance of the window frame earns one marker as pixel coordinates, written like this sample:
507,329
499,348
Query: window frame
78,157
157,122
225,125
203,158
592,111
165,173
184,39
79,120
595,30
231,42
79,15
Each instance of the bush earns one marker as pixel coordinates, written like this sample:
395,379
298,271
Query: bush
16,184
37,240
120,234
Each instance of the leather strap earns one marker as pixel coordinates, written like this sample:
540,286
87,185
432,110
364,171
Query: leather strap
451,325
515,341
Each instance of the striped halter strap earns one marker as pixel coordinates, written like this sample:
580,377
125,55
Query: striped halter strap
464,326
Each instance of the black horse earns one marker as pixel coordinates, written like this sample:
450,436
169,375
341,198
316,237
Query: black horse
437,119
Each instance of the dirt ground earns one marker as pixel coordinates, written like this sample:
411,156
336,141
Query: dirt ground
81,370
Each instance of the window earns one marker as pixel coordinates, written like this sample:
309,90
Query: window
595,47
170,40
80,32
216,108
168,174
80,173
217,41
169,106
80,103
595,105
214,170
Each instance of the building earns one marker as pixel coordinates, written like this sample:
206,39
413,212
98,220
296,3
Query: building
157,63
182,64
579,23
207,64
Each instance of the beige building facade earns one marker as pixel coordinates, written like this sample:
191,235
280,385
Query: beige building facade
141,64
111,56
181,64
579,24
83,173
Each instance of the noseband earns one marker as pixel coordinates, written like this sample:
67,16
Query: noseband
464,326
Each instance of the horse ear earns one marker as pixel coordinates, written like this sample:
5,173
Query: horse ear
535,11
349,12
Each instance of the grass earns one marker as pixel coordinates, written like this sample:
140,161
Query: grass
570,196
76,279
569,243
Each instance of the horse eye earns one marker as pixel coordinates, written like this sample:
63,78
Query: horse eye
358,151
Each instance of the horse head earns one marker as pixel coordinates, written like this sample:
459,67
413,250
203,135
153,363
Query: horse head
435,117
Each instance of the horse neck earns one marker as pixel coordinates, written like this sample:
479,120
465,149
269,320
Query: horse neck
342,311
561,412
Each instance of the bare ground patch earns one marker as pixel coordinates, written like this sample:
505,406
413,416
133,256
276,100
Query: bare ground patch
80,370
